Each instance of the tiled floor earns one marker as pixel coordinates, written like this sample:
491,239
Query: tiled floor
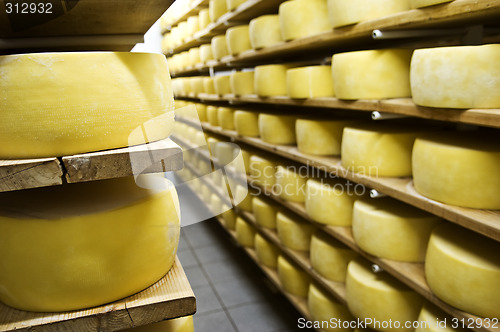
232,294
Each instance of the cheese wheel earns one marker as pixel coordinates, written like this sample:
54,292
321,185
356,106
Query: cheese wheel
229,217
324,308
458,169
264,212
319,137
242,83
222,85
277,129
209,85
233,4
457,77
206,53
82,245
219,47
194,56
193,25
238,39
241,162
197,85
265,31
45,96
378,150
270,80
213,115
331,202
224,152
294,233
215,204
390,229
433,319
373,74
183,324
182,32
243,198
426,3
267,253
343,12
245,233
262,171
329,257
201,109
293,279
290,185
457,261
246,123
303,18
216,8
396,302
204,16
225,117
310,82
204,167
212,142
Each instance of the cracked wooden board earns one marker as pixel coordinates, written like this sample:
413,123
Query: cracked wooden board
30,173
169,298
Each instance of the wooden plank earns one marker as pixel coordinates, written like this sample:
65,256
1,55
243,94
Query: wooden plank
160,156
32,173
171,297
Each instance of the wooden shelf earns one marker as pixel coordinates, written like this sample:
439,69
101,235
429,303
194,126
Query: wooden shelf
169,298
160,156
194,9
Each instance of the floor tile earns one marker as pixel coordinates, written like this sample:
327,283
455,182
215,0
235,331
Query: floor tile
183,245
196,276
225,270
213,322
258,317
214,253
206,300
241,291
187,258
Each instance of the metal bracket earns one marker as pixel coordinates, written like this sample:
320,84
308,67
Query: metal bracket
376,194
377,269
398,34
376,115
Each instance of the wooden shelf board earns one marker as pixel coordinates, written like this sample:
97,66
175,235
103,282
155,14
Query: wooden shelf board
169,298
160,156
193,10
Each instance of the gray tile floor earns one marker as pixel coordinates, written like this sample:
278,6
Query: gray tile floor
232,293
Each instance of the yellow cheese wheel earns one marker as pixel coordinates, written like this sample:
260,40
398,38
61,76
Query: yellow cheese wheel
82,245
343,12
310,82
457,261
329,257
204,16
243,198
264,212
212,115
215,204
225,117
183,324
206,53
378,150
458,169
219,47
241,162
242,83
277,129
194,56
209,85
293,279
216,8
193,25
294,233
319,137
270,80
265,31
229,217
201,109
303,18
456,77
380,297
238,39
262,171
182,32
224,152
433,319
331,202
222,85
233,4
45,96
245,233
246,123
372,74
426,3
212,142
390,229
197,85
290,184
267,253
324,308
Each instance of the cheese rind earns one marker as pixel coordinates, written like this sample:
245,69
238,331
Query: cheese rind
293,233
216,8
264,212
303,18
225,117
323,307
458,169
265,31
309,82
319,137
456,77
267,253
372,74
292,278
457,261
233,4
262,171
209,85
270,80
87,244
277,129
229,217
245,233
206,53
204,18
242,83
213,115
238,39
389,229
432,319
246,123
219,47
290,185
243,198
45,96
222,85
